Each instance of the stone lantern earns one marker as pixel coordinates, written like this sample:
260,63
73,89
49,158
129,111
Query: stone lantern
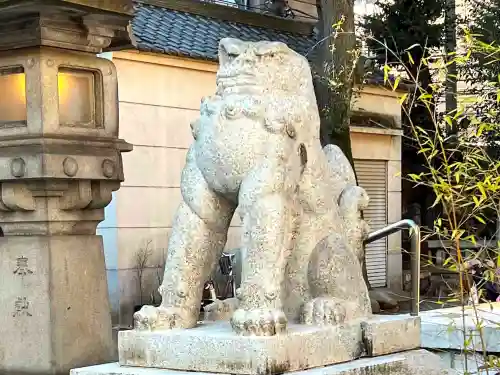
60,161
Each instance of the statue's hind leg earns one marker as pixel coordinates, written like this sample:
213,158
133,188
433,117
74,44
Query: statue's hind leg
336,283
198,236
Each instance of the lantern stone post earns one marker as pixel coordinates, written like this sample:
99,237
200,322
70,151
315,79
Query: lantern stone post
60,161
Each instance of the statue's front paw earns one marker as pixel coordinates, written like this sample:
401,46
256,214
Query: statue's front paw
324,311
157,318
259,322
221,309
146,318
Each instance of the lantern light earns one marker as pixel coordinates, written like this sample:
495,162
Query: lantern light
13,95
77,99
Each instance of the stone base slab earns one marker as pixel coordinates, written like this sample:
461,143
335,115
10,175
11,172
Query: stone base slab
415,362
391,334
214,347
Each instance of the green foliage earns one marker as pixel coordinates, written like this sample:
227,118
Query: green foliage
484,24
465,182
461,173
484,67
408,28
402,35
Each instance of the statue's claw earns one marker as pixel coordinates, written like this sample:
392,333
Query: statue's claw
221,309
259,322
324,311
151,318
146,318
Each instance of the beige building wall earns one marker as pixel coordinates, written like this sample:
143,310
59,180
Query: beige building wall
159,97
383,144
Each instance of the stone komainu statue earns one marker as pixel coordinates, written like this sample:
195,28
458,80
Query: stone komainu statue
256,149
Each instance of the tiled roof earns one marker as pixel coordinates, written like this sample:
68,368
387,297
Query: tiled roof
174,32
179,33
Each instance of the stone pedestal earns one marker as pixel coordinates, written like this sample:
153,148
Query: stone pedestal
215,348
60,161
55,310
413,362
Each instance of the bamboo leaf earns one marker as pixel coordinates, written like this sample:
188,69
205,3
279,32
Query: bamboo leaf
437,200
471,238
448,120
422,130
480,130
423,150
410,57
386,73
481,189
425,96
396,83
480,219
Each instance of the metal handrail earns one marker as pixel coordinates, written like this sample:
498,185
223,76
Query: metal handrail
415,255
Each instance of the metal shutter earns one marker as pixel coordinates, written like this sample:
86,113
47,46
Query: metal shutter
372,176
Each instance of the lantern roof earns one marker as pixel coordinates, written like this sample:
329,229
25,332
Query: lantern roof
83,25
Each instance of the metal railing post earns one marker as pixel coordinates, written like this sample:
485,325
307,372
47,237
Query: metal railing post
415,255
